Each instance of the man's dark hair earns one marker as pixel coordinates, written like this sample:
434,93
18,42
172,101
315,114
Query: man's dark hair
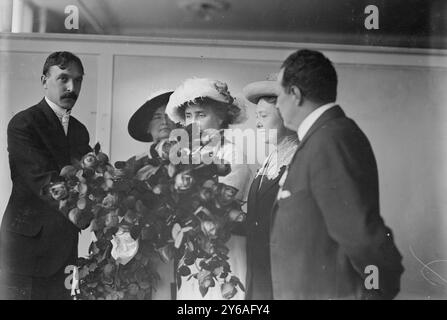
312,73
61,59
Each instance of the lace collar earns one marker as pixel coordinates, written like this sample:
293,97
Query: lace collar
281,156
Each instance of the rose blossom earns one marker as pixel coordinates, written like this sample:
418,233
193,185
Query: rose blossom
207,246
124,246
206,194
75,215
111,219
89,160
209,228
227,195
228,290
205,279
210,184
183,181
102,158
109,269
68,172
59,191
133,289
163,148
109,201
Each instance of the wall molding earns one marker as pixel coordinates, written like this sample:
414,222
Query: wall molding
220,49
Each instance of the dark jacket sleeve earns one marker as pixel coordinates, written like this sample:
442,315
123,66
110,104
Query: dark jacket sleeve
344,182
31,165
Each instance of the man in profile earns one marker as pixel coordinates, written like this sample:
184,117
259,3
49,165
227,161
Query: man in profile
327,231
37,242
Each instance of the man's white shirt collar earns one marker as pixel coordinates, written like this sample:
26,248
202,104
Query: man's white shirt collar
312,118
60,112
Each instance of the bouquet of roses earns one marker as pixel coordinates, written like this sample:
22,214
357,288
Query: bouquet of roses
128,231
201,212
81,185
144,211
94,193
200,237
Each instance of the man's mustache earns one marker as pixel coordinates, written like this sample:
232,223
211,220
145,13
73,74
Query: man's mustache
70,95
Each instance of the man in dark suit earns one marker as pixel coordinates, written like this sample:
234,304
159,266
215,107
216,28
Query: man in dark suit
37,242
328,240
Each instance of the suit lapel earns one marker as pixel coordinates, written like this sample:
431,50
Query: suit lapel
54,123
72,133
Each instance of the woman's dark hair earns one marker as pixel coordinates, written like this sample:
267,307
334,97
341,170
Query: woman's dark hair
61,59
312,73
225,111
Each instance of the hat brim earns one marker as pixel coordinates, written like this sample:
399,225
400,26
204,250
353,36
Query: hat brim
256,90
138,123
192,89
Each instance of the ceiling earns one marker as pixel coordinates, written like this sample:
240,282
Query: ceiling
402,23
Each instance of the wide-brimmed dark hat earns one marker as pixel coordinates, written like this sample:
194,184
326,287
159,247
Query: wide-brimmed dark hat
139,121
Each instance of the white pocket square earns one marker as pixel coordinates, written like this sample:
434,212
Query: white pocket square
283,194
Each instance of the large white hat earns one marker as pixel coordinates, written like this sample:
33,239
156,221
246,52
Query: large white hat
194,88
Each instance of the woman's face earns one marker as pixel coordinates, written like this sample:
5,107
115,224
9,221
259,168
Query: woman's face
160,126
269,121
203,116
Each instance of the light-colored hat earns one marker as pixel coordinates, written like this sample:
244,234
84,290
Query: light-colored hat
194,88
255,90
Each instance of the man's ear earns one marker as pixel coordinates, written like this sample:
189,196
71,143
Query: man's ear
297,94
43,80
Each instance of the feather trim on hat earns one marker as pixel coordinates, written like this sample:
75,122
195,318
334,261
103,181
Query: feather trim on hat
240,115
